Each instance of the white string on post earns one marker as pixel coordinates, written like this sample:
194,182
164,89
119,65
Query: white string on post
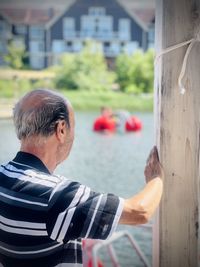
191,43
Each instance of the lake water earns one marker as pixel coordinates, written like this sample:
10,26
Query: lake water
106,163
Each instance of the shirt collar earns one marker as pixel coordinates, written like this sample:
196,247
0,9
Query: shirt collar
30,160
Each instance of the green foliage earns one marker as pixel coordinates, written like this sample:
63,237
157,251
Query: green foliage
14,88
6,89
16,54
133,89
80,99
66,72
87,100
86,70
135,73
43,83
89,82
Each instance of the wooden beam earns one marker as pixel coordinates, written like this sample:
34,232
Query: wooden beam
178,135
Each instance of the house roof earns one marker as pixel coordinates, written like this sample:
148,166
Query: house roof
69,3
62,3
133,15
29,16
142,11
147,15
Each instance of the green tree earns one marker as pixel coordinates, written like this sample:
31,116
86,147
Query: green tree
15,55
135,73
86,70
66,72
123,63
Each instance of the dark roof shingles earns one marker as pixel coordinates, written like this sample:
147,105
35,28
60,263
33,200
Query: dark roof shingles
29,16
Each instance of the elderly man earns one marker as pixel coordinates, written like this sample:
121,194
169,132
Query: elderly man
43,216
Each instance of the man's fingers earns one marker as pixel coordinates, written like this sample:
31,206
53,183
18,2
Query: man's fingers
153,166
150,156
153,156
156,153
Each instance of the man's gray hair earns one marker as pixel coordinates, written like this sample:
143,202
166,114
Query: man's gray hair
38,113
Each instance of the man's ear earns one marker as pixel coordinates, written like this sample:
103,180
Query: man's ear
61,131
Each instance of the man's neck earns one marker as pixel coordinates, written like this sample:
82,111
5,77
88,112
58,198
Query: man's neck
45,150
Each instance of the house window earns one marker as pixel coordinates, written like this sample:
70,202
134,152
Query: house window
115,48
2,47
104,26
131,47
58,46
106,47
19,42
77,46
97,11
36,54
69,46
36,32
100,27
20,29
124,29
2,27
68,27
88,26
151,34
36,46
106,44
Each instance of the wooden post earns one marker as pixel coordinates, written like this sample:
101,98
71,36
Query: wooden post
178,135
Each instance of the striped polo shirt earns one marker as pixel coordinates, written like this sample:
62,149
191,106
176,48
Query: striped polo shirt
43,216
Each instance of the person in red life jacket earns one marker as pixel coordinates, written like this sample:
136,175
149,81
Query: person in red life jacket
105,122
133,124
127,122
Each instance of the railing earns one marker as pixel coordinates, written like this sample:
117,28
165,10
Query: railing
101,35
113,256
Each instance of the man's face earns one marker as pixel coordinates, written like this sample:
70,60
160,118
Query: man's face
107,112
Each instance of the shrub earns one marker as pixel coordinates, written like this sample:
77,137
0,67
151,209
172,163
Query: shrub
135,73
16,55
6,89
86,70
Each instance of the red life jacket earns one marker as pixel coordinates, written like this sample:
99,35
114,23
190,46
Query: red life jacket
103,123
133,124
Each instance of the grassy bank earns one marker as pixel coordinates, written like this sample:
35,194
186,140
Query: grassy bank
14,84
89,101
82,100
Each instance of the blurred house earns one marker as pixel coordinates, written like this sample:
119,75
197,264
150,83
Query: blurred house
48,32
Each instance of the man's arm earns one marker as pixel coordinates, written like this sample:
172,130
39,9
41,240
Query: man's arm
139,208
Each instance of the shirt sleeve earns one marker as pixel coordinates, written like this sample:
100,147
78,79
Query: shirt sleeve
75,211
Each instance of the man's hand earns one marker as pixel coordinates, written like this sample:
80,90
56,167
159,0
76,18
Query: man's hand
153,167
139,208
